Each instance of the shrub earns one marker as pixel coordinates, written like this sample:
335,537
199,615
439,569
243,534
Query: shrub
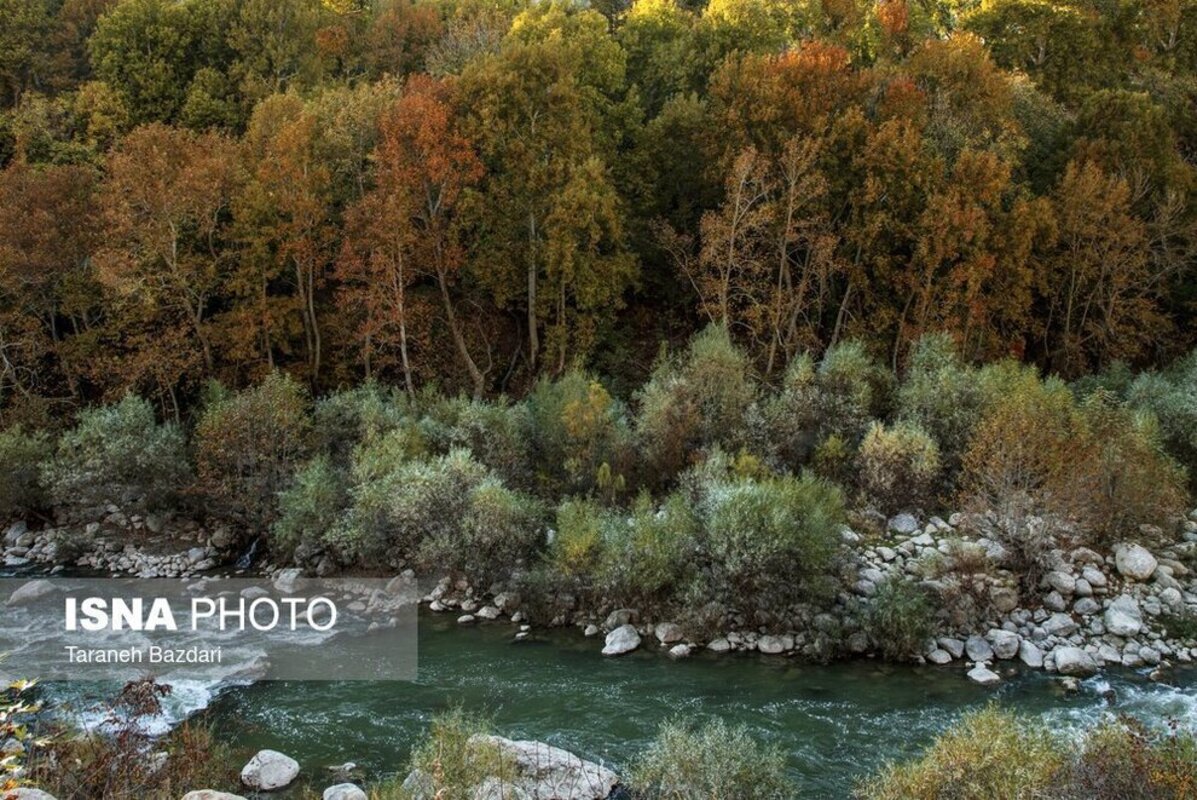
762,539
1172,397
686,762
345,419
695,403
498,531
454,759
575,429
248,446
310,506
397,503
1122,760
834,402
900,618
898,467
117,454
1123,478
1019,462
494,432
22,456
943,396
650,555
988,754
577,545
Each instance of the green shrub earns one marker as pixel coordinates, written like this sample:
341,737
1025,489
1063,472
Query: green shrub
578,542
495,433
694,403
118,454
900,618
897,467
1172,397
310,506
453,760
763,539
248,446
943,396
343,420
498,532
575,429
22,456
397,503
648,556
835,401
987,755
715,760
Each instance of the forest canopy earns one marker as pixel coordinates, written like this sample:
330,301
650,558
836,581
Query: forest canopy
475,194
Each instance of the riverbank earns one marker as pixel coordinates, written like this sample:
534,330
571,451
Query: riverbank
1130,607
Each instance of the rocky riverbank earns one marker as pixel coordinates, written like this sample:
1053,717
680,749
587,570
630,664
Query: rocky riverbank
1130,607
1088,611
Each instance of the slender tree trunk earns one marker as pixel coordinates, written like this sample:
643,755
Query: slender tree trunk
533,336
476,376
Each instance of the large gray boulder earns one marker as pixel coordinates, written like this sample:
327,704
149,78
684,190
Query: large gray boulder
269,770
623,639
1135,562
211,794
1075,662
1005,643
669,633
496,789
978,649
545,772
1123,616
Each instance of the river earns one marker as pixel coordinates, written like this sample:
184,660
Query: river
835,723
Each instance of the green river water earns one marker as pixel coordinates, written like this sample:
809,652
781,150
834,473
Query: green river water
835,723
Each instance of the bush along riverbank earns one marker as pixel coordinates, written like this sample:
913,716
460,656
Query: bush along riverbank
710,509
987,754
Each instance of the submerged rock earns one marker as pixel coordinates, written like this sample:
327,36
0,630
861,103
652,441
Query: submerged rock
983,675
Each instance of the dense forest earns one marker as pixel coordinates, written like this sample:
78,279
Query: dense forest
471,194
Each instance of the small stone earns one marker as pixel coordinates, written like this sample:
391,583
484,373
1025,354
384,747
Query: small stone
904,524
719,645
955,647
591,630
1059,625
1004,598
1062,582
939,656
488,612
466,619
679,651
669,633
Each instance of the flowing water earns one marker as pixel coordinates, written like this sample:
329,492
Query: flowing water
835,723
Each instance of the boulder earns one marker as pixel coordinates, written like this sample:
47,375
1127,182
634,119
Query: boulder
720,645
1074,661
1030,654
344,791
1123,616
1004,598
33,590
679,651
418,785
288,580
978,649
488,612
983,675
770,645
268,770
1135,562
619,617
939,656
208,794
904,524
1062,582
669,633
545,772
623,639
1059,625
1005,644
955,647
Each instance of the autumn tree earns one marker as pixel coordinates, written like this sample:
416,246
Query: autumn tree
166,202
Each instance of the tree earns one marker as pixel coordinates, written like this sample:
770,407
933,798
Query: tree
549,218
423,162
166,202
